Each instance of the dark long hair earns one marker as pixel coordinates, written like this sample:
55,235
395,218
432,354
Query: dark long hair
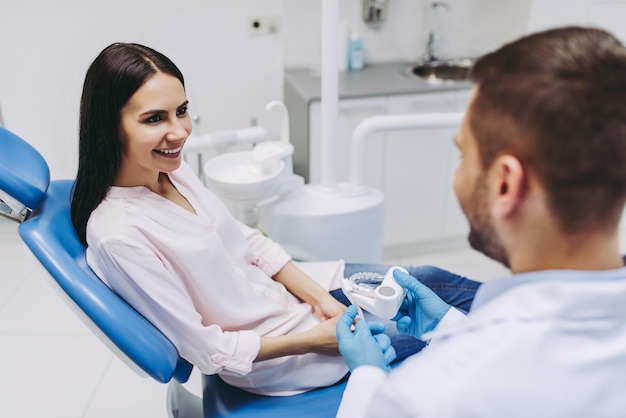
111,80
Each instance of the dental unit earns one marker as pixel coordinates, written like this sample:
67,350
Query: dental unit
323,221
312,222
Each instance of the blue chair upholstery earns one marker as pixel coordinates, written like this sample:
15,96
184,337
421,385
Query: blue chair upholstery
24,174
51,238
222,400
48,233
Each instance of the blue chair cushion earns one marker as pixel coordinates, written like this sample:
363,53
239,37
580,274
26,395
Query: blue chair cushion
24,174
222,400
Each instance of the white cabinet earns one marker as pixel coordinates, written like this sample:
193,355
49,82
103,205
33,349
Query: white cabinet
417,172
414,169
351,113
455,223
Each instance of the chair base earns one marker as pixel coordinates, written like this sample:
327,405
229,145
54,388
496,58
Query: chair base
181,403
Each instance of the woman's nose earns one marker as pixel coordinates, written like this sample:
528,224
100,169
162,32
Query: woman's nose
179,129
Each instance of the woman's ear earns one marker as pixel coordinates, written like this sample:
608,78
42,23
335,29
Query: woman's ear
507,185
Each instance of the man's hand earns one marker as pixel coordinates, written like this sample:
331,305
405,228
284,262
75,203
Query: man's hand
421,309
367,345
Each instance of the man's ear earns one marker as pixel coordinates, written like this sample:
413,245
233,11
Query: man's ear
507,180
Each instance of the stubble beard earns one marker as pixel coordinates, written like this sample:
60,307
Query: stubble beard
483,236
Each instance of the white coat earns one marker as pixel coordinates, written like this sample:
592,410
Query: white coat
547,344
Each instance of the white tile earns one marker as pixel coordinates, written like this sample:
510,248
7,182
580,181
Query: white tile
8,229
123,393
14,265
13,274
12,249
36,308
15,252
49,375
6,226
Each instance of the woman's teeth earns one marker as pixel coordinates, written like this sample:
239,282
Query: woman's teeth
169,151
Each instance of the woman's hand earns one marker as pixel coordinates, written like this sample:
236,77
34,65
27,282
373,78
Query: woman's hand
328,307
308,290
321,339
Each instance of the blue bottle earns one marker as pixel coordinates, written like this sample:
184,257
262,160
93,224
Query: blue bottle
356,56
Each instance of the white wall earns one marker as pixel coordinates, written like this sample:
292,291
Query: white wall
469,29
608,14
46,47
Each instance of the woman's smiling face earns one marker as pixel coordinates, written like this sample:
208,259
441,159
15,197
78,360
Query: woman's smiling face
154,125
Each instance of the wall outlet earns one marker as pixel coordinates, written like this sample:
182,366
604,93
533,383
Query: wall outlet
263,25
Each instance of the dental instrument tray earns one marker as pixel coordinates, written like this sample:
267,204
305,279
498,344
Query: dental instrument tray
377,294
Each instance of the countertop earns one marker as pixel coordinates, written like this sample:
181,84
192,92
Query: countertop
374,80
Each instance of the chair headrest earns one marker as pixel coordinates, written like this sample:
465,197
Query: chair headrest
24,174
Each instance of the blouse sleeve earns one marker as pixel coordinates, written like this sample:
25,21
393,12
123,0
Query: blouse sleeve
137,274
269,256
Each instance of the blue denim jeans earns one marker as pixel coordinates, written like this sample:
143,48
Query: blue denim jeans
455,290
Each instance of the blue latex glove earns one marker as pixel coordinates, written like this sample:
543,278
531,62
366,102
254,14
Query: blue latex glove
421,309
367,345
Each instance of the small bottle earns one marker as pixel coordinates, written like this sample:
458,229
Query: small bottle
356,58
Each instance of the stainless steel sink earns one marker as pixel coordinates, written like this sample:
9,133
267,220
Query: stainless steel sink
441,70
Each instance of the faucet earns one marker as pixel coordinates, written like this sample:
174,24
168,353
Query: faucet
433,35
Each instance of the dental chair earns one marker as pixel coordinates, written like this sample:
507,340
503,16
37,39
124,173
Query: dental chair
42,208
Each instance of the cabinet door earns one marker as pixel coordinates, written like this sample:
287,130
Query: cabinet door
417,171
455,223
351,113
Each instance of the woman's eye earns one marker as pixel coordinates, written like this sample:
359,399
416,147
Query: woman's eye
182,111
154,119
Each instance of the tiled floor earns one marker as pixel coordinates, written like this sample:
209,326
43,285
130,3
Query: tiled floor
53,366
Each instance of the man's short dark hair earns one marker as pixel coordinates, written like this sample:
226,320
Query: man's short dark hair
557,101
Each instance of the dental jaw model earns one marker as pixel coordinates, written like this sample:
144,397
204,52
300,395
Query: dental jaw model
381,296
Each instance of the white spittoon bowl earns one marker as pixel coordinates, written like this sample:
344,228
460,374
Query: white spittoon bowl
238,176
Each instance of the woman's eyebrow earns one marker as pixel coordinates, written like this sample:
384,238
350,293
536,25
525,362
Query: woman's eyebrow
153,111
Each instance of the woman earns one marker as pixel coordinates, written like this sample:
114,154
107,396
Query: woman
229,299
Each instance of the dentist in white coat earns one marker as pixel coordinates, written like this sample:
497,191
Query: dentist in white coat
542,182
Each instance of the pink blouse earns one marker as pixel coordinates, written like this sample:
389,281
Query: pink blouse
205,281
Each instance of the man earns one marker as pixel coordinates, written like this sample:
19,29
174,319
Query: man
542,182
